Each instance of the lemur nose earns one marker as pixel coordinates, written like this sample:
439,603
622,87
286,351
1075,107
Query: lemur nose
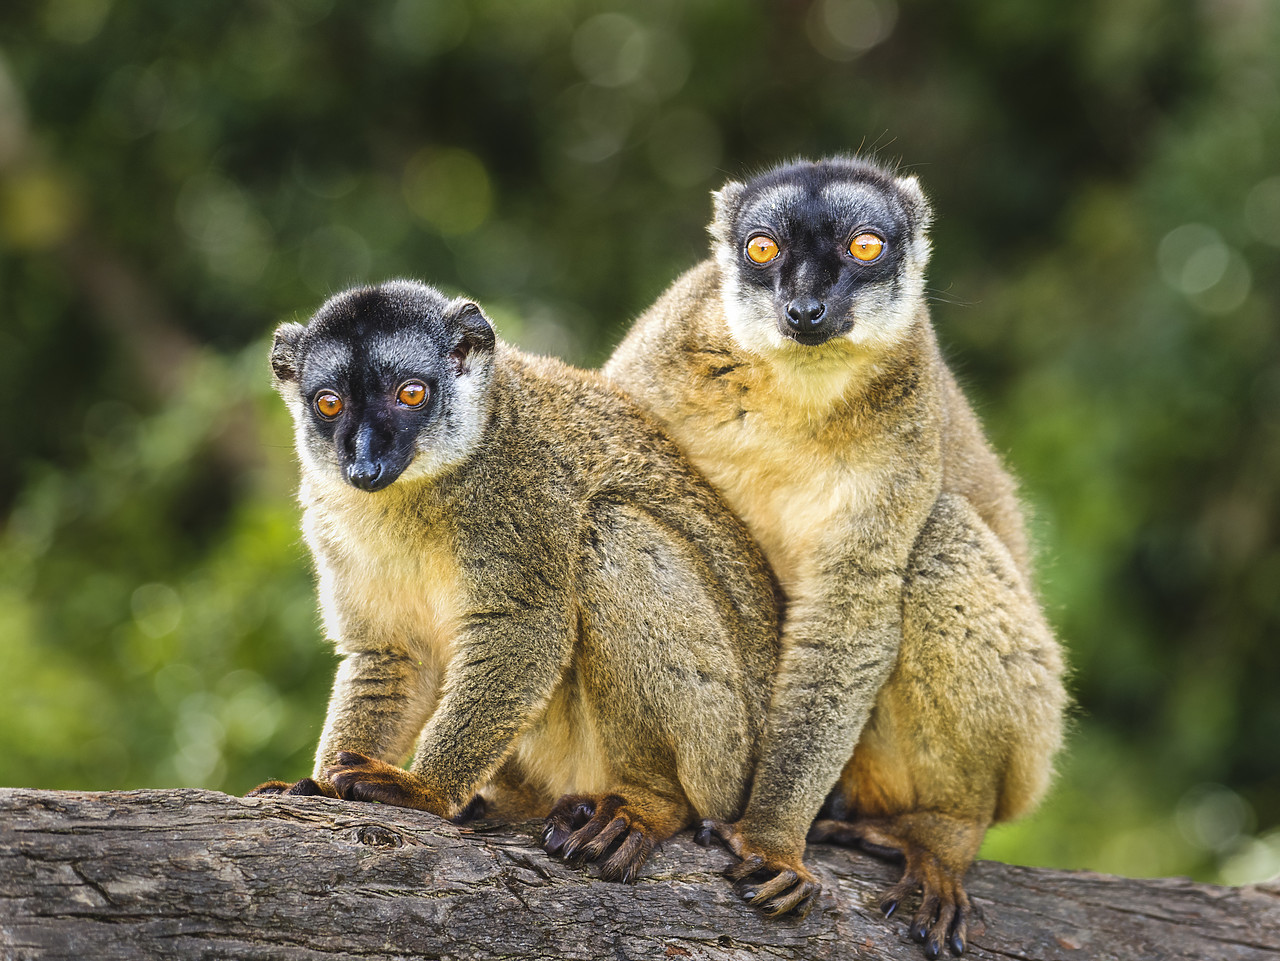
805,313
365,475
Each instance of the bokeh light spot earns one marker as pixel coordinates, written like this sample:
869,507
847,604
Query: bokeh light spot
610,49
157,609
844,29
449,189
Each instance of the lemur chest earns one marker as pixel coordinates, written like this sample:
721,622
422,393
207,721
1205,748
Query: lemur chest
386,582
794,490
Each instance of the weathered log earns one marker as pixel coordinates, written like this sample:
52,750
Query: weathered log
197,874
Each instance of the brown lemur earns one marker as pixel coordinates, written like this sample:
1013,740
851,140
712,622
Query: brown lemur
530,587
919,684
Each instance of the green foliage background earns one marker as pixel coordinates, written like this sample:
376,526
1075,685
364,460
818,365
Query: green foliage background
177,178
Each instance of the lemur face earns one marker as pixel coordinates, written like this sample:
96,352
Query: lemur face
385,382
815,252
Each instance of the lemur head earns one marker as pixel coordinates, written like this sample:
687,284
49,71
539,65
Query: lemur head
831,252
385,382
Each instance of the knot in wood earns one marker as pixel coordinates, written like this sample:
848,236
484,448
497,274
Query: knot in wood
375,835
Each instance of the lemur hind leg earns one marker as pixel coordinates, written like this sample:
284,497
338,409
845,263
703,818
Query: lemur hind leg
647,591
963,731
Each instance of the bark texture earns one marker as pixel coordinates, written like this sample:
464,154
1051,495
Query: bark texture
197,874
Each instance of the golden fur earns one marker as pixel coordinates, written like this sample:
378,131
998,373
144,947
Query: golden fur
919,683
558,604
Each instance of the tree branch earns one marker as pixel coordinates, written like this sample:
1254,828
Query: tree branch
197,874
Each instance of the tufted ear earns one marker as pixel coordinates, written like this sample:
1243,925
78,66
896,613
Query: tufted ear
284,351
921,210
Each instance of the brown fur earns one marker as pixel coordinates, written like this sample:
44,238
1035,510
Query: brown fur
918,676
567,609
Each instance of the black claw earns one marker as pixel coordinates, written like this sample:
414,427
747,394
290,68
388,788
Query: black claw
579,850
749,893
704,834
624,873
888,907
932,949
918,931
956,944
553,838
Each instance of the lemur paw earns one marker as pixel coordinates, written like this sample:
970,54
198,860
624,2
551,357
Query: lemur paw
581,828
360,778
944,914
307,787
777,884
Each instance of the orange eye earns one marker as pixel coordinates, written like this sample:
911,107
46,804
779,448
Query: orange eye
413,394
762,249
328,404
866,247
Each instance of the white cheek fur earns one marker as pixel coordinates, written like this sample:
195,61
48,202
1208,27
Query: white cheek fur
455,434
816,377
318,460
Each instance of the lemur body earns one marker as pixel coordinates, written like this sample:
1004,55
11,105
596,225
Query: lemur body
530,588
919,685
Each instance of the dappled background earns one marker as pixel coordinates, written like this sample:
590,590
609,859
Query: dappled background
178,178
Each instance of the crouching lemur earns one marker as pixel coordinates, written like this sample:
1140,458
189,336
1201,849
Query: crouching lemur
919,689
530,588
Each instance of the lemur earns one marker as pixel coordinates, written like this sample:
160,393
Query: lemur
531,590
919,685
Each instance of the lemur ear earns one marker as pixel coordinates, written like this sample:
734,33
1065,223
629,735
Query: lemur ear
475,328
921,210
284,351
723,203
